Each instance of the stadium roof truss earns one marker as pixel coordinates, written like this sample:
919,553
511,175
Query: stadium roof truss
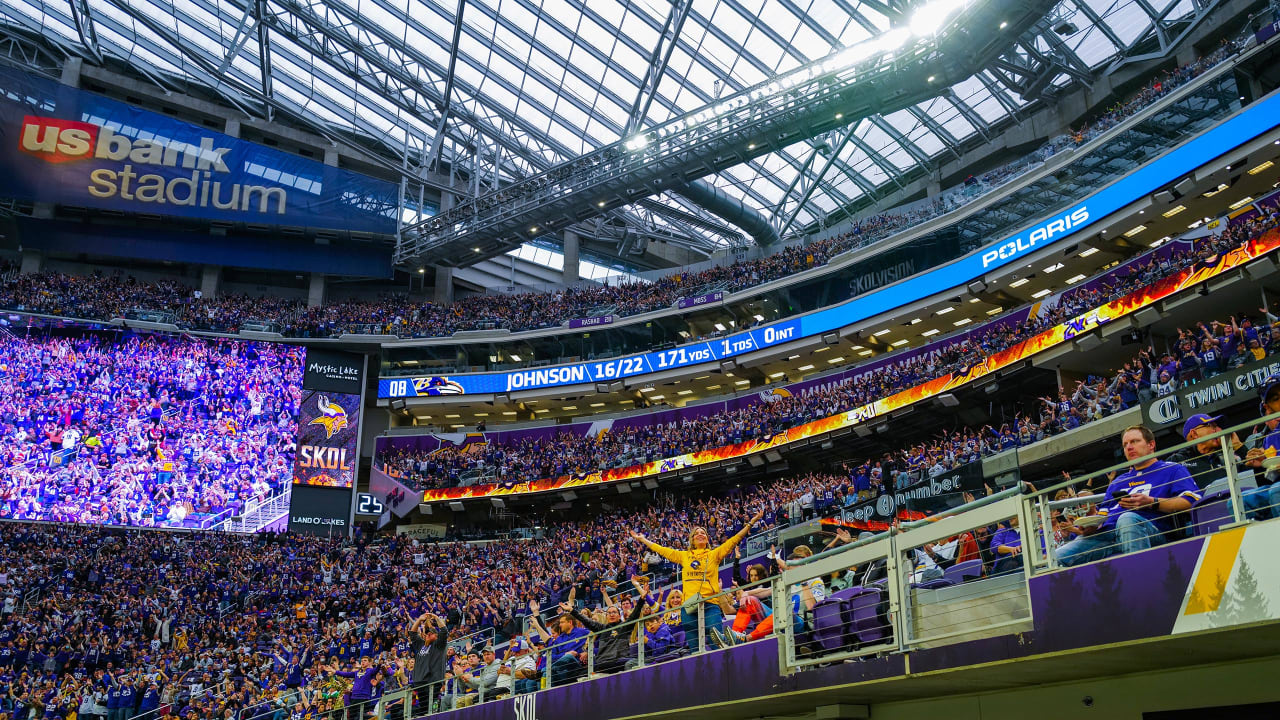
492,91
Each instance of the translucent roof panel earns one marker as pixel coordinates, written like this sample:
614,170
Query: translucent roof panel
543,81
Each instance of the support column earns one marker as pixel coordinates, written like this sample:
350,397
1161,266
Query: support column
210,279
71,72
444,285
570,256
232,128
934,186
331,157
32,262
1186,54
315,293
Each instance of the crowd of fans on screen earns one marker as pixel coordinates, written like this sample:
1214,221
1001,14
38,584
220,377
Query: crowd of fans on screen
530,458
143,430
91,298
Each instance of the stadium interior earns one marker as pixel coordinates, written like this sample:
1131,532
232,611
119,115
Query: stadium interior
384,359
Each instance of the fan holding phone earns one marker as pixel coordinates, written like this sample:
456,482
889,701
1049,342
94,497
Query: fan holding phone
1141,504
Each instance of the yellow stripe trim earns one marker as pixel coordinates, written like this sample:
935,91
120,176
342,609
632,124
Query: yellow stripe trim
1215,568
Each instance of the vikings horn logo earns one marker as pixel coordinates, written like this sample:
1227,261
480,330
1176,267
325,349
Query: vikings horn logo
332,417
774,394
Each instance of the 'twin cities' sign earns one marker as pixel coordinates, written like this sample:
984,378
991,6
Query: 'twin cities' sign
1209,396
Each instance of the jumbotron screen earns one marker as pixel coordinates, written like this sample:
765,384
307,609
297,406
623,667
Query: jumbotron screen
327,433
124,428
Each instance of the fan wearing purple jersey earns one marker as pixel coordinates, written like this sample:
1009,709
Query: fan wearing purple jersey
1263,501
1143,501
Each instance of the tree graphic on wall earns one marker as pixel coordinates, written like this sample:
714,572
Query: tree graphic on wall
1242,603
1176,577
1066,610
1108,592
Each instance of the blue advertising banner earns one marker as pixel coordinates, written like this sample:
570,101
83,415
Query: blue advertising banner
64,145
1259,118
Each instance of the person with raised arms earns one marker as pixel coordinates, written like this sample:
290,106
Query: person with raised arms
700,567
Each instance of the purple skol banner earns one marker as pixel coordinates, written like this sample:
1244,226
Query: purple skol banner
65,145
592,321
714,297
327,429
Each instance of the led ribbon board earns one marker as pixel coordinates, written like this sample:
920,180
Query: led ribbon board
1063,332
1250,123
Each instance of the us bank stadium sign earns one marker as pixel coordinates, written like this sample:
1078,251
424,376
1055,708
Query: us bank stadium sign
64,145
1209,396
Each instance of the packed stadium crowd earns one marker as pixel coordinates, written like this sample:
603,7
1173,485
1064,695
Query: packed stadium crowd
529,458
120,624
100,297
193,626
142,429
107,623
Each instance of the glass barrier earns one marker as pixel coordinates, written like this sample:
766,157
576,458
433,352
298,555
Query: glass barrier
1157,496
152,316
634,633
958,575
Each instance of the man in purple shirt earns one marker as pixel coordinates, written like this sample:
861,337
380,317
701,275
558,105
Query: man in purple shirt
1006,546
1141,503
1263,501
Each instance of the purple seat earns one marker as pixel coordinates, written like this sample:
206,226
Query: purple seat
828,624
847,593
1211,513
964,572
679,637
863,619
935,583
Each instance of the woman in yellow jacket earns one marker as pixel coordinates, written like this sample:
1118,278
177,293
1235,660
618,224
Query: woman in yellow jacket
700,569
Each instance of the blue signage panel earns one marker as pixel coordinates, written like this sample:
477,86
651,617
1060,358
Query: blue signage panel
592,372
1256,120
64,145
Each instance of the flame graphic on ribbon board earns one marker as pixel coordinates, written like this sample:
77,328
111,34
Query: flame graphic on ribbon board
1065,331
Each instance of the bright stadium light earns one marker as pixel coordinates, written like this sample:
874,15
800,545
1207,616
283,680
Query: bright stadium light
892,40
929,18
639,142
